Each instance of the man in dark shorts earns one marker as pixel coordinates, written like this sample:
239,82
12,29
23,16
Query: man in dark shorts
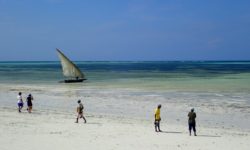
80,112
191,121
29,102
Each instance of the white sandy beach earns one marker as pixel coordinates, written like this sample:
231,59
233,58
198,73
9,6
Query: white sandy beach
52,130
118,119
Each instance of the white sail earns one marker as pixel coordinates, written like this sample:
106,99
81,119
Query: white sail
69,68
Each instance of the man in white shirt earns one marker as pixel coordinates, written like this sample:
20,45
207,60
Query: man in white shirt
19,101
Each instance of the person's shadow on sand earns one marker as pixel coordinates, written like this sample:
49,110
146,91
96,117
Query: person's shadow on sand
175,132
202,135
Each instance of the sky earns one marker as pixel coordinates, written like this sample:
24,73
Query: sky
123,30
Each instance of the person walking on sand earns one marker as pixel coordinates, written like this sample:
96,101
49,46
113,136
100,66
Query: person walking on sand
29,102
80,112
157,118
19,101
191,121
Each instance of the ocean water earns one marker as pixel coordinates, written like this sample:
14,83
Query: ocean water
218,90
172,75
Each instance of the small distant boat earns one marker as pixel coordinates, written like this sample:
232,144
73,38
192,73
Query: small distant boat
70,70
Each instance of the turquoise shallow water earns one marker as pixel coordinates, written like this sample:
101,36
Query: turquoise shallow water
166,75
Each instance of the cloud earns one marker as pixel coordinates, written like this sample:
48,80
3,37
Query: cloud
214,43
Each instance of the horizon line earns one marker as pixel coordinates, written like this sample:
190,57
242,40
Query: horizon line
124,60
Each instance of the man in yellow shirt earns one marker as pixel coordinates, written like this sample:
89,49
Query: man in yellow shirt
157,118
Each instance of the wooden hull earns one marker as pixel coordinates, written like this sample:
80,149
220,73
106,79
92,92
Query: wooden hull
74,80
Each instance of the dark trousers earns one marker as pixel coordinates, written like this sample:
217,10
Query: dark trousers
192,126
